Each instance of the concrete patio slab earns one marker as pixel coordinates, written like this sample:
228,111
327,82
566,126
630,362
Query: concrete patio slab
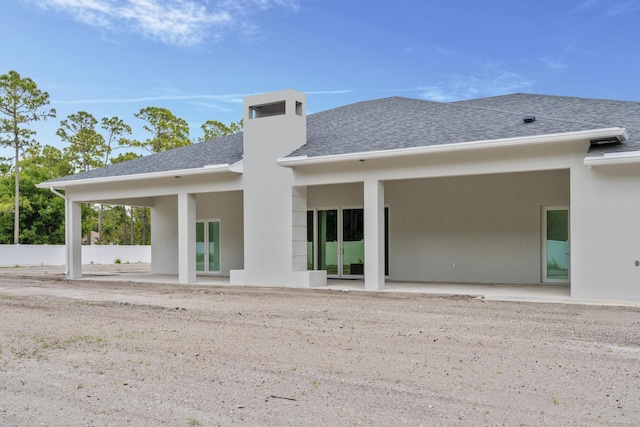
493,292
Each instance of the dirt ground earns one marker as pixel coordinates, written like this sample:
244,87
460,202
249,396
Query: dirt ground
112,354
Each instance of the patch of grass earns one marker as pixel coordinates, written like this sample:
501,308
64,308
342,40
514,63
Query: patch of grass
83,339
556,401
193,422
131,334
48,342
41,344
26,353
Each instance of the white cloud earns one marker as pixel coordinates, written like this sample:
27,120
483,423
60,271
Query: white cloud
553,63
457,87
233,98
623,8
175,22
329,92
443,50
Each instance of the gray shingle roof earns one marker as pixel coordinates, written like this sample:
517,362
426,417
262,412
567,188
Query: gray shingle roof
394,123
226,149
599,112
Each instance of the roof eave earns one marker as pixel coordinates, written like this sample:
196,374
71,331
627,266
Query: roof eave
205,170
613,132
613,159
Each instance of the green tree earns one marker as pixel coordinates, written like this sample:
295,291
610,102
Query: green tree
49,158
116,131
126,216
87,147
41,211
213,129
5,167
21,102
86,151
167,130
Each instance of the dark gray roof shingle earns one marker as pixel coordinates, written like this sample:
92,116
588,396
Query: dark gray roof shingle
395,123
600,112
226,149
392,123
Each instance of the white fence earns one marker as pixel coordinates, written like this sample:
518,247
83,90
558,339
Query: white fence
25,255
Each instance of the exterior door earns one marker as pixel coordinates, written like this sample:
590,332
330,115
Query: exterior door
327,242
208,246
340,242
555,244
352,242
335,241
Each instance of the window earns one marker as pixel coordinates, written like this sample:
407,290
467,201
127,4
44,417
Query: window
267,110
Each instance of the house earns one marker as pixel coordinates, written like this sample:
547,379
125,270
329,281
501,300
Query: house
516,189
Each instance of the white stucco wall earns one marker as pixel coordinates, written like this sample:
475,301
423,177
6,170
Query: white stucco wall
333,196
478,229
489,226
605,225
164,235
227,208
270,215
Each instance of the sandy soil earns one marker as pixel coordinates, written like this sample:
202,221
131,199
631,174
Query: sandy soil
113,354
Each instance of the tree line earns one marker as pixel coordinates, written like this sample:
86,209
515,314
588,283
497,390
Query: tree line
31,215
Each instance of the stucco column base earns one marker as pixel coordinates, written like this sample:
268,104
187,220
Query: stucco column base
295,279
310,278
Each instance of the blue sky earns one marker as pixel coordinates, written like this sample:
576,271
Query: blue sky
198,58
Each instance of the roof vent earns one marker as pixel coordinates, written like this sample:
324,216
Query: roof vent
529,119
604,141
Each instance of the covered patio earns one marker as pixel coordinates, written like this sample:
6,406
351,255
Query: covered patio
141,273
556,293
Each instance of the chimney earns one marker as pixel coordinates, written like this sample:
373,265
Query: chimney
275,124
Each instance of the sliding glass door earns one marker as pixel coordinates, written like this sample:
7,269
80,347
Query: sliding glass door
335,241
208,246
353,242
328,247
555,244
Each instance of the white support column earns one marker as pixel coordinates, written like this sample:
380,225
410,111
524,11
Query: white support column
73,239
186,238
373,235
299,228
